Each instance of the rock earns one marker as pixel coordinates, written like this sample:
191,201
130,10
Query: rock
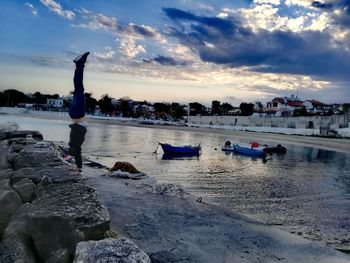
53,233
26,189
18,249
6,128
62,215
56,174
9,202
27,172
4,150
110,250
6,174
60,256
32,156
23,134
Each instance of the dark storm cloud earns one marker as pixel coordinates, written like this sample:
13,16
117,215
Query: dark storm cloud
318,4
227,41
342,18
142,31
166,61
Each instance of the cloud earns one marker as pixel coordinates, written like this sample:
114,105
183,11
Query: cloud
339,11
57,8
142,30
166,61
318,4
232,44
109,55
271,2
33,10
130,49
97,21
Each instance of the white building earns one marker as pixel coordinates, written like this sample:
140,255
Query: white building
56,103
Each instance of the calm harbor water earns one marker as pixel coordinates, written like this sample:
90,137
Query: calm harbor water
306,191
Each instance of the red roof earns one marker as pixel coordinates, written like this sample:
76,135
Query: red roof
317,103
295,103
278,99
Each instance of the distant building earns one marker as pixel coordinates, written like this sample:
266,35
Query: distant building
55,103
284,106
315,106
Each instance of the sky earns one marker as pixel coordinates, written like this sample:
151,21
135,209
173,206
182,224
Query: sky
179,51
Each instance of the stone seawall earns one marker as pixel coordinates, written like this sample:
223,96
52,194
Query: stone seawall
47,212
312,122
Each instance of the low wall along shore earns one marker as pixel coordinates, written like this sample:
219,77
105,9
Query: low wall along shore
336,125
312,122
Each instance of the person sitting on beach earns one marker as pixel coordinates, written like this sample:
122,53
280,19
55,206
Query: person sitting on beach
77,112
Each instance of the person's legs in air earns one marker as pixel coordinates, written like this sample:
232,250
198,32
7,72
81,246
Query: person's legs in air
77,111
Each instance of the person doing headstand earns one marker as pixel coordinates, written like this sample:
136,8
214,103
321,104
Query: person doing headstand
77,112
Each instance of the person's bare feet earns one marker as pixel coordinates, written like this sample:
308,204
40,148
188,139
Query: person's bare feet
81,59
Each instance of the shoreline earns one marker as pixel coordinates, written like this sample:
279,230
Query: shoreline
333,144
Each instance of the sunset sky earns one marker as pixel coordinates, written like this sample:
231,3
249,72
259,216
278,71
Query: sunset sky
183,51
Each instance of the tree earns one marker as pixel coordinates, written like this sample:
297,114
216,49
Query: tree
226,107
162,107
90,103
197,108
247,109
105,104
215,107
12,97
126,107
177,110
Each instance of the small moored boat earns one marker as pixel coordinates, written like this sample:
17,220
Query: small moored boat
186,150
248,149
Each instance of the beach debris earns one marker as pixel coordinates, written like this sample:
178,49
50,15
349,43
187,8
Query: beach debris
124,167
125,170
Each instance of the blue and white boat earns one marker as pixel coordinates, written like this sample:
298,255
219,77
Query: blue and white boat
247,149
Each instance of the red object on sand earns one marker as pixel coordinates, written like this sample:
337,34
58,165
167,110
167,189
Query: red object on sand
254,144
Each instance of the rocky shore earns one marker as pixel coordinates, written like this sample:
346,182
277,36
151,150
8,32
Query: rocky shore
49,212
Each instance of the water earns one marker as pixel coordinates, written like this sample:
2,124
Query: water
306,191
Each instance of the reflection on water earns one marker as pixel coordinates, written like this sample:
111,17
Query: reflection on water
306,190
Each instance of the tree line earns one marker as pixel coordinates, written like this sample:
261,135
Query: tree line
127,108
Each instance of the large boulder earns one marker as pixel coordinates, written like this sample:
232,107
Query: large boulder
4,149
18,249
7,128
26,189
56,174
62,215
9,200
35,156
24,134
110,250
